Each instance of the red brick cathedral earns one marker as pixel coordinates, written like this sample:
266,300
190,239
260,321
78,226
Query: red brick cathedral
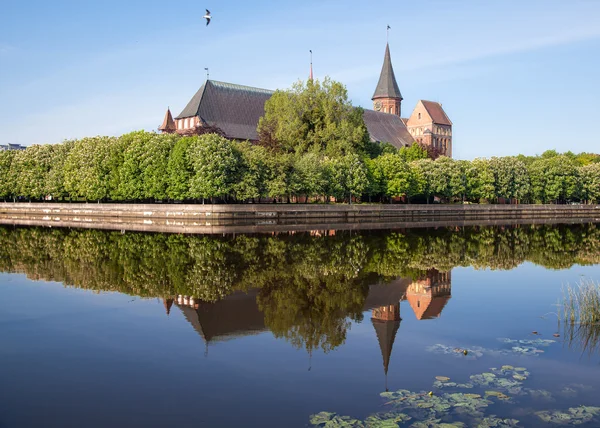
236,109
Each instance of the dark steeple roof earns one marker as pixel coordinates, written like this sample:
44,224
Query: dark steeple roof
386,334
387,86
235,109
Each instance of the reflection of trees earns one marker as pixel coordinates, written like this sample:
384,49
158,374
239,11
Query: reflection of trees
311,310
309,284
323,267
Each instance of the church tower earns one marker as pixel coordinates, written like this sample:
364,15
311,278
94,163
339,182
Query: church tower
387,97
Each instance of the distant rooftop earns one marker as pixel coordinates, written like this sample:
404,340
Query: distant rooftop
11,146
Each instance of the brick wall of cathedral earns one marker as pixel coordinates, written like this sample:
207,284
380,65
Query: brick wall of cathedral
425,131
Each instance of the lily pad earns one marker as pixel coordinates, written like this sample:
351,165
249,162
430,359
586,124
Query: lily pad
333,420
573,416
493,421
442,378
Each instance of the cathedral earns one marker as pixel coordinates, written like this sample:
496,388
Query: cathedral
236,109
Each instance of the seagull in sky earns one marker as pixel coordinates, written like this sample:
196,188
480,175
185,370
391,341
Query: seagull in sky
207,16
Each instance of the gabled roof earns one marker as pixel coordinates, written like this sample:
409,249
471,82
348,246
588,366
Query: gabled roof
435,308
387,86
437,113
235,109
426,306
387,128
168,122
234,316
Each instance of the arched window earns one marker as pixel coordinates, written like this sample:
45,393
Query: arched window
419,116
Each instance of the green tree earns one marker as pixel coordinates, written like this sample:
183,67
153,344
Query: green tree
253,173
216,163
396,175
346,176
511,177
413,152
308,174
55,181
554,178
179,170
7,185
479,180
590,182
154,165
423,172
87,174
442,173
30,169
278,174
131,172
313,115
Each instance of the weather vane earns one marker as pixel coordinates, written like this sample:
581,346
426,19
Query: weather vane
388,33
206,68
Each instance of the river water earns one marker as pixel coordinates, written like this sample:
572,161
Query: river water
296,329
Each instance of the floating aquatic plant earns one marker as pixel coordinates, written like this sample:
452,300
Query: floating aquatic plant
457,408
573,416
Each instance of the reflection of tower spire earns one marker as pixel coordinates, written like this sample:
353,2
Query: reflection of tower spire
386,321
168,303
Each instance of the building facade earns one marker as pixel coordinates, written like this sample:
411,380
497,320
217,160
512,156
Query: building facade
11,147
236,109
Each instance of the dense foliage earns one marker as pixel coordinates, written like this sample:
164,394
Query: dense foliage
145,166
313,147
307,284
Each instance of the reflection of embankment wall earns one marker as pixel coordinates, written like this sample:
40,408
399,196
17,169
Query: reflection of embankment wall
182,218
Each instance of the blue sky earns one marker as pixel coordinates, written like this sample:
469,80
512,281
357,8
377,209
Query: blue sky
515,76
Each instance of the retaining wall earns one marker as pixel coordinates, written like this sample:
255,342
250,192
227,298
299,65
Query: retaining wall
187,218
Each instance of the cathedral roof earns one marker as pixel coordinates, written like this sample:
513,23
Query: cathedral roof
235,316
235,109
387,128
437,113
387,86
168,122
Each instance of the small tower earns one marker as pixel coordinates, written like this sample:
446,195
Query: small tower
168,125
387,97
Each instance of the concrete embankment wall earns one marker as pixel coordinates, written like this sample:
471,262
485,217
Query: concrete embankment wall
184,218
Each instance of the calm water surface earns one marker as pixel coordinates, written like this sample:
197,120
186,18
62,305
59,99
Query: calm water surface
107,329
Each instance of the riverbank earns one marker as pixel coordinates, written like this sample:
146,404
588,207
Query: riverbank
186,218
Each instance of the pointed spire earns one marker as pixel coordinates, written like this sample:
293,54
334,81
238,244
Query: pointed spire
387,86
168,125
386,334
168,303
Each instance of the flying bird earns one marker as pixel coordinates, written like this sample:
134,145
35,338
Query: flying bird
207,16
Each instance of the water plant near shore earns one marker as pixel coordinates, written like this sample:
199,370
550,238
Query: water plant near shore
581,315
458,408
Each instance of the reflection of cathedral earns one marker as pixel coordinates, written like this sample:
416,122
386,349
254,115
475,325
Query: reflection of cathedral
238,314
428,297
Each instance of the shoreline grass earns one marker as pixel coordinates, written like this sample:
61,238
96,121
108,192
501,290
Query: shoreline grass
581,315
